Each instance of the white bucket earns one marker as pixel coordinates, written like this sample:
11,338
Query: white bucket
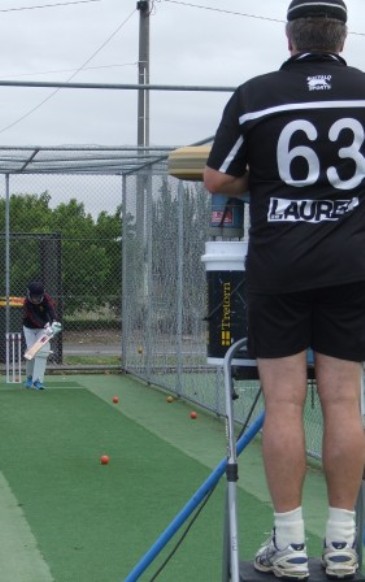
225,255
227,321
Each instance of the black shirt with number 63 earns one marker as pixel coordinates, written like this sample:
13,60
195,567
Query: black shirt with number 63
301,132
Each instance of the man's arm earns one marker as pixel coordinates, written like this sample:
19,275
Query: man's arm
221,183
50,308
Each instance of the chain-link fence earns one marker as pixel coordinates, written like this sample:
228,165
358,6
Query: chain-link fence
121,255
167,223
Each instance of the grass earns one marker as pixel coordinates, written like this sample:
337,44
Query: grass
91,360
169,361
93,523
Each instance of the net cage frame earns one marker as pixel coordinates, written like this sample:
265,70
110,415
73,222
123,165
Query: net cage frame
125,161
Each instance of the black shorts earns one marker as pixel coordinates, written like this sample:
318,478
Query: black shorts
330,320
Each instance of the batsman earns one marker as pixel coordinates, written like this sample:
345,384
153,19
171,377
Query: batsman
39,319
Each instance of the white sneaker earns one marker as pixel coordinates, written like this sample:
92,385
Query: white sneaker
340,560
290,563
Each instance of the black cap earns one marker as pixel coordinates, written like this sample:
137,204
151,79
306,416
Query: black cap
317,9
36,288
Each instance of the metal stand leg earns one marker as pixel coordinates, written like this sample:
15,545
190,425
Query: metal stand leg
226,544
230,552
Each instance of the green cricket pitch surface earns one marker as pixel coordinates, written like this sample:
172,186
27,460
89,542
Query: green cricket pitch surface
65,517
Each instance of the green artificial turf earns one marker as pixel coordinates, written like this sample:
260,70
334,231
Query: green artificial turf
94,523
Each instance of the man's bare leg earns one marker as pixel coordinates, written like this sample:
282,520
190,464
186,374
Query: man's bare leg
343,454
339,384
284,383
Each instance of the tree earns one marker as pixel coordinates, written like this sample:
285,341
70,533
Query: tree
91,250
28,213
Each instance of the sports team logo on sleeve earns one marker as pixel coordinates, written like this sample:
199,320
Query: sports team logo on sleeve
283,210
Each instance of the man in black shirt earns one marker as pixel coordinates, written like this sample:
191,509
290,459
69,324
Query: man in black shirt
295,138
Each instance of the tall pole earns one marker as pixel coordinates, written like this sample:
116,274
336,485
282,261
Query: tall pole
7,253
143,181
143,130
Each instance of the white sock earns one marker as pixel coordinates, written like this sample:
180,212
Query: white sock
341,525
289,528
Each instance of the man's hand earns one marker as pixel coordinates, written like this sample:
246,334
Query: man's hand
56,327
48,329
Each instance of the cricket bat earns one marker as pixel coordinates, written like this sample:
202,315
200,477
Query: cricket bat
53,330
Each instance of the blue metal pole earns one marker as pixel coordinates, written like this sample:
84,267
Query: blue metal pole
198,496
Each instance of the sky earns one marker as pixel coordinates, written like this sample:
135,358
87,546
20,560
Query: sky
194,42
